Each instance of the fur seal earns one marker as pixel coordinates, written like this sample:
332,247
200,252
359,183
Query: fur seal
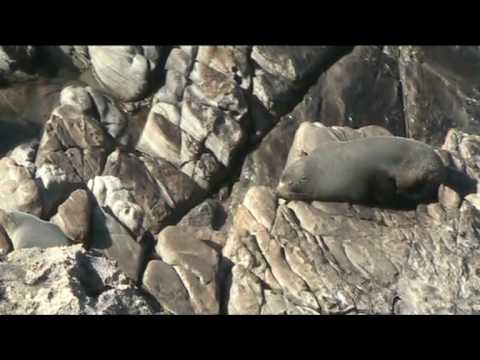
26,231
382,170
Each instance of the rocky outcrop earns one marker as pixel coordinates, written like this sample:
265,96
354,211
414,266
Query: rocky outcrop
67,281
296,257
165,161
440,90
73,150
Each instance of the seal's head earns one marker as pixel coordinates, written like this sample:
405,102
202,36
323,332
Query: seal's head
419,181
295,182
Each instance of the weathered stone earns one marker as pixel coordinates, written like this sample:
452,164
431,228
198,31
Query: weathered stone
18,189
55,185
165,285
135,177
245,296
24,155
73,217
209,213
195,262
287,69
111,239
261,202
439,90
161,136
363,88
126,71
111,194
66,280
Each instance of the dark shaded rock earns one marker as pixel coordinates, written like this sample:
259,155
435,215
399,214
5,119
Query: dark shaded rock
363,88
440,90
286,71
111,239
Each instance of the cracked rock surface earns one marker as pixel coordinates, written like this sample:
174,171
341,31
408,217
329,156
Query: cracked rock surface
142,180
66,281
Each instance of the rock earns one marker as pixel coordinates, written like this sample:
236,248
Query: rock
16,62
73,150
109,114
78,98
162,191
126,71
112,240
362,88
439,91
24,155
5,242
286,70
246,293
66,280
73,217
18,189
195,262
26,231
335,258
209,213
112,195
55,186
165,285
261,201
161,136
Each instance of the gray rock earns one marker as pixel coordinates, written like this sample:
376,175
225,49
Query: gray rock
126,71
285,71
66,281
26,231
439,90
195,262
111,239
362,88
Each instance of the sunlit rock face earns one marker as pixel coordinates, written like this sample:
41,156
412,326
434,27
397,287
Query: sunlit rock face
143,180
